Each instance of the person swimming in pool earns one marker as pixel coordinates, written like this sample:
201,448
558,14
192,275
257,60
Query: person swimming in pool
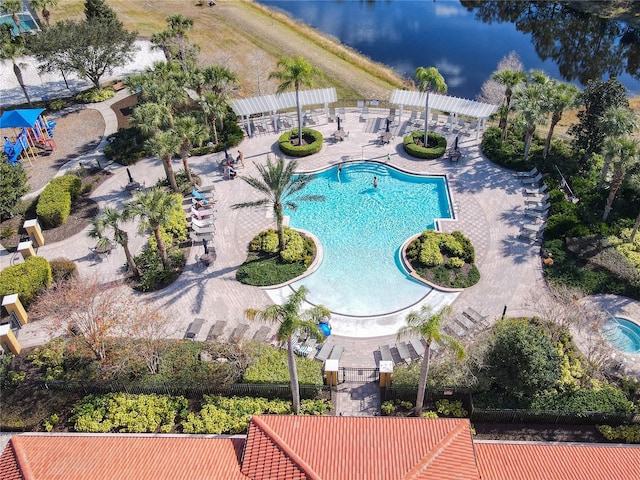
375,182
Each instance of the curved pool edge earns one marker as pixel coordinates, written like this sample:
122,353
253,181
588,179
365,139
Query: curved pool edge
613,345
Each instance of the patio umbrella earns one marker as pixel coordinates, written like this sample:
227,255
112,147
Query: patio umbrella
388,122
455,144
338,123
130,177
325,329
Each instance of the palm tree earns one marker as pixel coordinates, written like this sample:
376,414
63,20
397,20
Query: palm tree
278,183
189,131
624,151
44,6
429,79
509,79
214,107
13,7
428,325
162,40
615,122
12,50
529,103
152,118
292,322
111,219
165,145
560,96
219,79
153,208
295,72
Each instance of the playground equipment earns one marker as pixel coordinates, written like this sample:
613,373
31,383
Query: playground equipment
34,134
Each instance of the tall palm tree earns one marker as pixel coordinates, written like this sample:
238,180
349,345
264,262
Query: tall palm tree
219,79
111,219
162,40
277,183
152,118
292,322
625,157
615,122
529,102
13,7
295,72
12,50
44,6
429,326
509,79
153,208
165,145
190,132
214,107
429,79
559,97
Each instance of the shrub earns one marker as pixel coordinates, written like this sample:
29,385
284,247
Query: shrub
126,413
455,262
56,104
266,241
95,95
154,276
429,415
628,433
313,140
63,269
451,408
451,245
271,367
13,185
27,279
126,146
413,145
9,378
294,247
606,399
54,204
387,408
430,255
50,359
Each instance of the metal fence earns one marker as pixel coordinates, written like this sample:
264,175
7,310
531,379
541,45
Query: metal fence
358,375
551,417
196,389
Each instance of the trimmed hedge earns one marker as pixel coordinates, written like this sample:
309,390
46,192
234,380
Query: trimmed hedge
419,151
27,279
313,138
54,204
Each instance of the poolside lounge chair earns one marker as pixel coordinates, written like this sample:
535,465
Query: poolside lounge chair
531,181
262,335
537,201
538,208
204,189
199,237
534,227
194,328
529,236
385,353
324,352
208,212
239,332
535,214
417,345
364,115
403,351
203,230
201,195
336,353
216,330
536,191
202,222
530,174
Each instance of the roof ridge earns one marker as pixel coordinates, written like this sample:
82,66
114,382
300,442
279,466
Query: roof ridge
287,450
434,452
21,458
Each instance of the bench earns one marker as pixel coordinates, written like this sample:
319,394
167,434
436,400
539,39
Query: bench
194,329
118,86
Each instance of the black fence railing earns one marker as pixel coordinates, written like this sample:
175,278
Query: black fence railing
358,375
270,391
551,417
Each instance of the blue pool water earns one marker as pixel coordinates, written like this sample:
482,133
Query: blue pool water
622,334
361,229
27,23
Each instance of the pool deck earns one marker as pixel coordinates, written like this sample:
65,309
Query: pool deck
488,204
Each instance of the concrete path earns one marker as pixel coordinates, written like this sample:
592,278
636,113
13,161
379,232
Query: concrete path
488,202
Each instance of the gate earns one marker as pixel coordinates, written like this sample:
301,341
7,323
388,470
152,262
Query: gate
358,375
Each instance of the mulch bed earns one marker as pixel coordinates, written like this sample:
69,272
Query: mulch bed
123,110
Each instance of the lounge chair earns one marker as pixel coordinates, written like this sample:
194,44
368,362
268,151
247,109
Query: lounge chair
201,195
529,236
531,181
202,222
216,331
200,237
536,191
302,350
385,353
417,345
336,353
194,329
324,352
262,335
208,212
538,208
537,201
203,230
205,188
332,114
535,214
239,332
530,174
413,116
534,227
364,115
403,351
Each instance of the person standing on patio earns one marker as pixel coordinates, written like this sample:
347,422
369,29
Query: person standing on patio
241,158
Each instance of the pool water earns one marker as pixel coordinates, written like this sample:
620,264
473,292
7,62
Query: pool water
27,23
622,334
361,229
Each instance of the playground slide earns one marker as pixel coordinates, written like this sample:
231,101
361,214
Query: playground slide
13,150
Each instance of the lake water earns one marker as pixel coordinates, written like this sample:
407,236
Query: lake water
466,44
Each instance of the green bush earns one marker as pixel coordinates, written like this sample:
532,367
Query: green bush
271,367
126,413
63,269
450,244
387,408
413,145
430,255
56,104
455,262
468,252
13,185
312,138
126,146
154,275
27,279
627,433
95,95
451,408
266,241
9,378
54,204
50,359
294,247
607,399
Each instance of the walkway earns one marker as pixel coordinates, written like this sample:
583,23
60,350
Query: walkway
488,203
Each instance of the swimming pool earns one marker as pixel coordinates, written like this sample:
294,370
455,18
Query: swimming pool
361,229
622,334
27,23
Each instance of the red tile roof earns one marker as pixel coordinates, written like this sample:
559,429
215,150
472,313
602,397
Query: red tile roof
9,469
81,457
545,461
336,448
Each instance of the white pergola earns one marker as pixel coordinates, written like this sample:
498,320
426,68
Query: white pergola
272,104
453,105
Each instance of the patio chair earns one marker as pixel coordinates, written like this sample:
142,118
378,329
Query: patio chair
544,208
364,115
537,201
324,352
332,114
262,335
238,333
530,174
216,330
194,329
531,181
536,191
342,113
413,117
403,351
202,222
